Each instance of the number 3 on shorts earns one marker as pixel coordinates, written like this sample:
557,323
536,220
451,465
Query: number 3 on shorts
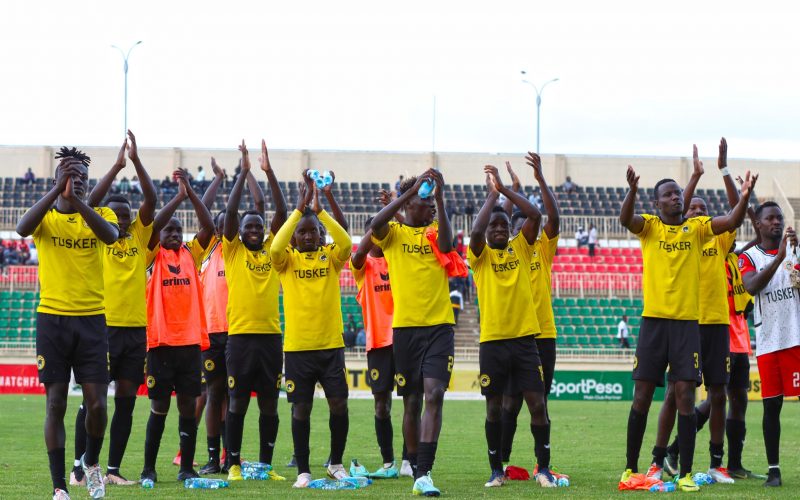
696,360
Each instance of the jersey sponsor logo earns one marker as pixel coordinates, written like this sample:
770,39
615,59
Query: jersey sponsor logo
384,276
780,294
505,266
290,386
40,362
420,249
78,243
710,252
174,269
589,388
221,274
383,288
674,247
311,273
131,252
209,365
536,266
485,380
258,268
231,382
151,381
176,282
72,220
374,374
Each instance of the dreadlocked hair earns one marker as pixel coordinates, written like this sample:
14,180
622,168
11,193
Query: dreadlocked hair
74,152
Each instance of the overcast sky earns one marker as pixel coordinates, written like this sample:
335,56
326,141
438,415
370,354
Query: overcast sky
363,75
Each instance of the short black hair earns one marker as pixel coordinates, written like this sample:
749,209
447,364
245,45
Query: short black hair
309,212
117,198
73,152
659,184
498,209
764,205
406,184
252,212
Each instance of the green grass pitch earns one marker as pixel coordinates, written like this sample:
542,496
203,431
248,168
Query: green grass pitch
588,442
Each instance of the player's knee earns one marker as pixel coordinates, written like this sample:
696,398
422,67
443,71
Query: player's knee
95,409
494,409
268,406
412,404
434,397
56,406
383,406
301,411
716,394
338,406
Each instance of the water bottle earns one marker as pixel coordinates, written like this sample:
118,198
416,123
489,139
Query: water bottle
327,179
147,484
701,479
360,481
333,484
562,482
426,189
205,483
256,470
313,174
663,487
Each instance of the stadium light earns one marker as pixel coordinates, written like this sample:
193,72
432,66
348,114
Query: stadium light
538,102
125,56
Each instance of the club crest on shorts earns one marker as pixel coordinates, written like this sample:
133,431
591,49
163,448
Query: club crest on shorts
209,365
290,386
40,362
400,379
484,380
231,382
635,362
374,374
151,381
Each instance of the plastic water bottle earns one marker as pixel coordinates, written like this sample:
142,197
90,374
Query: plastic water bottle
313,174
333,484
426,189
562,482
327,179
665,487
205,483
361,482
256,470
701,479
147,484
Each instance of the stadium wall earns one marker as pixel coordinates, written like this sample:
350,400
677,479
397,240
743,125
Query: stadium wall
383,166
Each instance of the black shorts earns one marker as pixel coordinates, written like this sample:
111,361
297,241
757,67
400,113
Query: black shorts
715,351
76,343
173,369
667,342
547,355
420,353
127,347
214,366
504,360
740,371
380,365
254,364
305,368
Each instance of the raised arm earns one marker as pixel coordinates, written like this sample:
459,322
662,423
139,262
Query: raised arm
232,212
445,239
553,225
258,195
31,219
104,230
755,281
204,218
341,239
722,163
698,172
165,214
335,210
516,185
384,198
735,217
634,223
211,191
380,223
284,235
364,247
533,218
104,184
281,210
148,207
477,238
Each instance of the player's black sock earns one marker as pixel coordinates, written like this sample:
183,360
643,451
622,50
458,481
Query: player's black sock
717,451
80,433
426,453
412,459
93,447
702,418
152,440
509,423
120,430
187,430
385,435
234,431
339,426
735,431
771,424
301,431
672,449
268,432
659,454
58,468
223,434
541,444
212,443
494,436
637,424
404,456
687,435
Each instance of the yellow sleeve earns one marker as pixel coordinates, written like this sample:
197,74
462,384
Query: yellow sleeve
229,247
549,247
704,229
358,274
141,232
387,240
475,261
648,220
197,251
342,244
277,251
726,240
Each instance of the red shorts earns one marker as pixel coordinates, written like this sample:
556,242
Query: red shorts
780,373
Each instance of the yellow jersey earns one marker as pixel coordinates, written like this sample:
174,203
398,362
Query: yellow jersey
70,264
671,258
420,286
253,288
125,277
714,281
544,250
502,277
311,294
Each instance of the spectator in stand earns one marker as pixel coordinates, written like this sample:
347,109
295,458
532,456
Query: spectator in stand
622,333
124,186
569,187
33,256
361,338
397,185
168,187
29,177
24,252
592,241
350,331
581,236
200,179
136,186
458,243
469,210
456,299
11,255
536,200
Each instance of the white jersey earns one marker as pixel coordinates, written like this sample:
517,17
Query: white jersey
776,314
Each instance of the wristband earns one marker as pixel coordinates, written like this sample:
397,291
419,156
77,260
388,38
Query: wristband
725,171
